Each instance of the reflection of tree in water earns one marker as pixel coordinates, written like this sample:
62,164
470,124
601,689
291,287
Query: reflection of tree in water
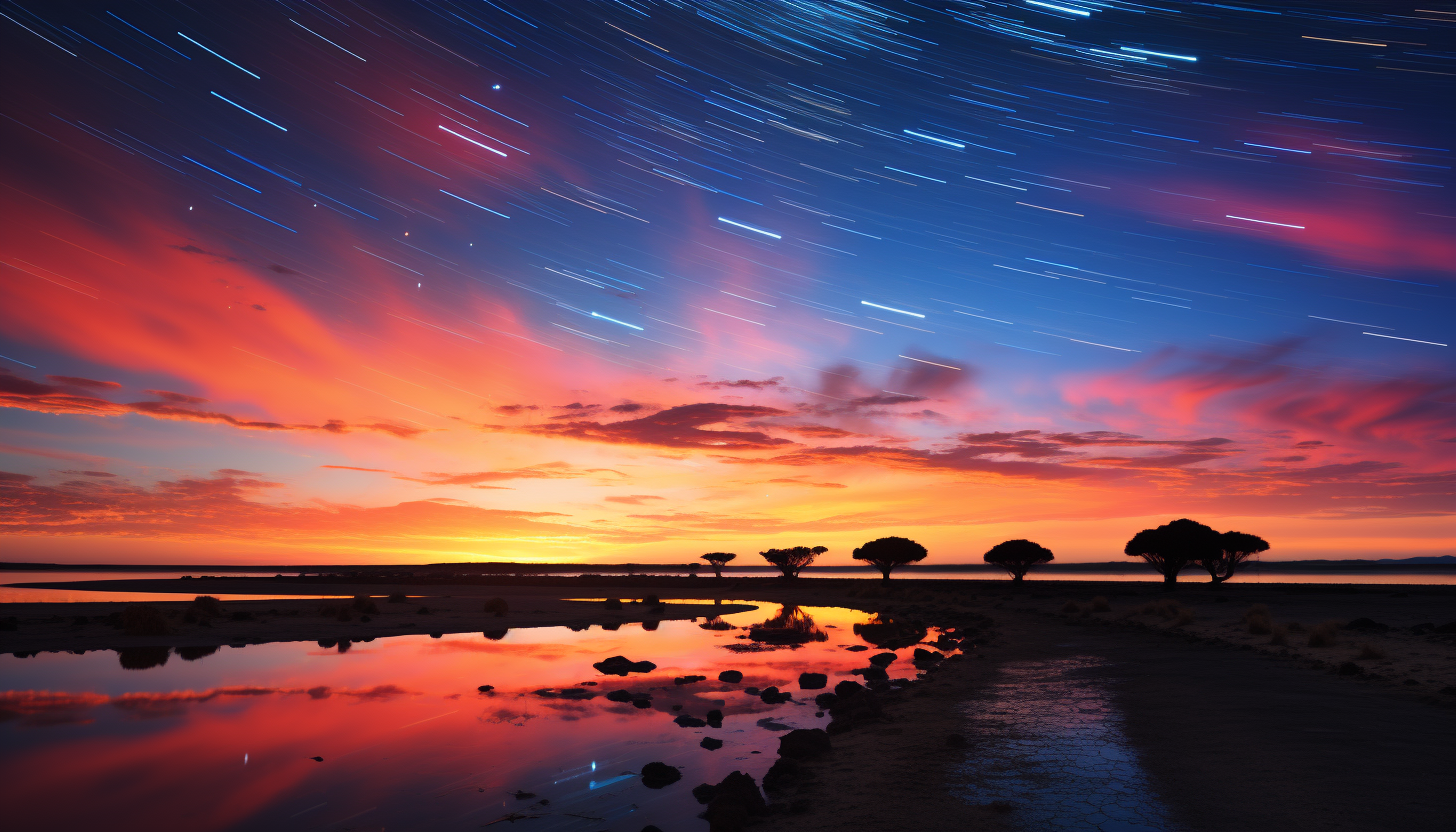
142,658
886,633
496,635
506,716
790,626
716,623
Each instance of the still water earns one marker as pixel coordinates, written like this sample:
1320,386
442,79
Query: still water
227,741
1049,742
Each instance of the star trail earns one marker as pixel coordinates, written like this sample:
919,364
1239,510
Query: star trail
312,274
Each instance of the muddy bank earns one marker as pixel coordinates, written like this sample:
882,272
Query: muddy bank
30,628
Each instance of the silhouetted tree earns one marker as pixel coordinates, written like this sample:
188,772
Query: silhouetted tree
1172,547
717,560
791,561
1017,556
887,553
1234,549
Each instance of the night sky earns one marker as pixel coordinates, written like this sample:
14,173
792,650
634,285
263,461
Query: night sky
605,280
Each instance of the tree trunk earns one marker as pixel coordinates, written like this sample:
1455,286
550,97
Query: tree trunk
1016,576
1169,578
885,570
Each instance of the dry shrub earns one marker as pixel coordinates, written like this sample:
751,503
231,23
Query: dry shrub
1296,627
143,620
1371,652
1099,604
1323,634
397,598
1279,636
1168,610
364,604
207,605
498,606
1071,608
1259,621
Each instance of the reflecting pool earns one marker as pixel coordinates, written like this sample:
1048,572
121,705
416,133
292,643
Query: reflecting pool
394,733
1047,739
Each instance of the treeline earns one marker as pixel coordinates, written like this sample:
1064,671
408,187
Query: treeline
1169,549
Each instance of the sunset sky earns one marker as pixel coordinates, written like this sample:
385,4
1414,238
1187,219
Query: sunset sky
590,281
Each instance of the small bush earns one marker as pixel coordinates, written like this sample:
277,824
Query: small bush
143,620
1296,627
207,605
397,598
1071,608
1168,611
365,605
1323,635
1182,616
1099,604
497,606
1259,621
1370,652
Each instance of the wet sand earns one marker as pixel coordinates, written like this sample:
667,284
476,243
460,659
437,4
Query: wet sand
1232,731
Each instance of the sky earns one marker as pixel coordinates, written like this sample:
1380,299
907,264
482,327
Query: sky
355,282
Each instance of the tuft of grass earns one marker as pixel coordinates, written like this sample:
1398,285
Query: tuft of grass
1183,616
1323,634
1370,652
1168,610
1259,621
1099,604
1296,627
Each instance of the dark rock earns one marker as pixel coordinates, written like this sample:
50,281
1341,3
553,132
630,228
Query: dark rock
1449,690
812,681
731,803
871,673
659,775
715,718
523,795
621,666
686,721
771,695
955,741
923,656
768,723
784,774
857,648
641,704
731,676
486,688
883,659
688,680
804,743
751,691
711,744
825,700
1349,669
847,689
619,696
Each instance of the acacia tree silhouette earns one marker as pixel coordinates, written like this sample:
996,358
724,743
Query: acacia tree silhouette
717,560
1235,548
887,553
1173,547
791,561
1017,556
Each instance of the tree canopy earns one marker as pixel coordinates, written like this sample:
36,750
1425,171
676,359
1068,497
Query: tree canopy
1173,547
791,561
1235,548
717,560
886,553
1017,556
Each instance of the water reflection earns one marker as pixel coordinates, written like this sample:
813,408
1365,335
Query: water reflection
1048,740
398,732
791,627
889,633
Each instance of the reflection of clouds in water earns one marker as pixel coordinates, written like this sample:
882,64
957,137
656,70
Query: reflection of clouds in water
1047,739
506,716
